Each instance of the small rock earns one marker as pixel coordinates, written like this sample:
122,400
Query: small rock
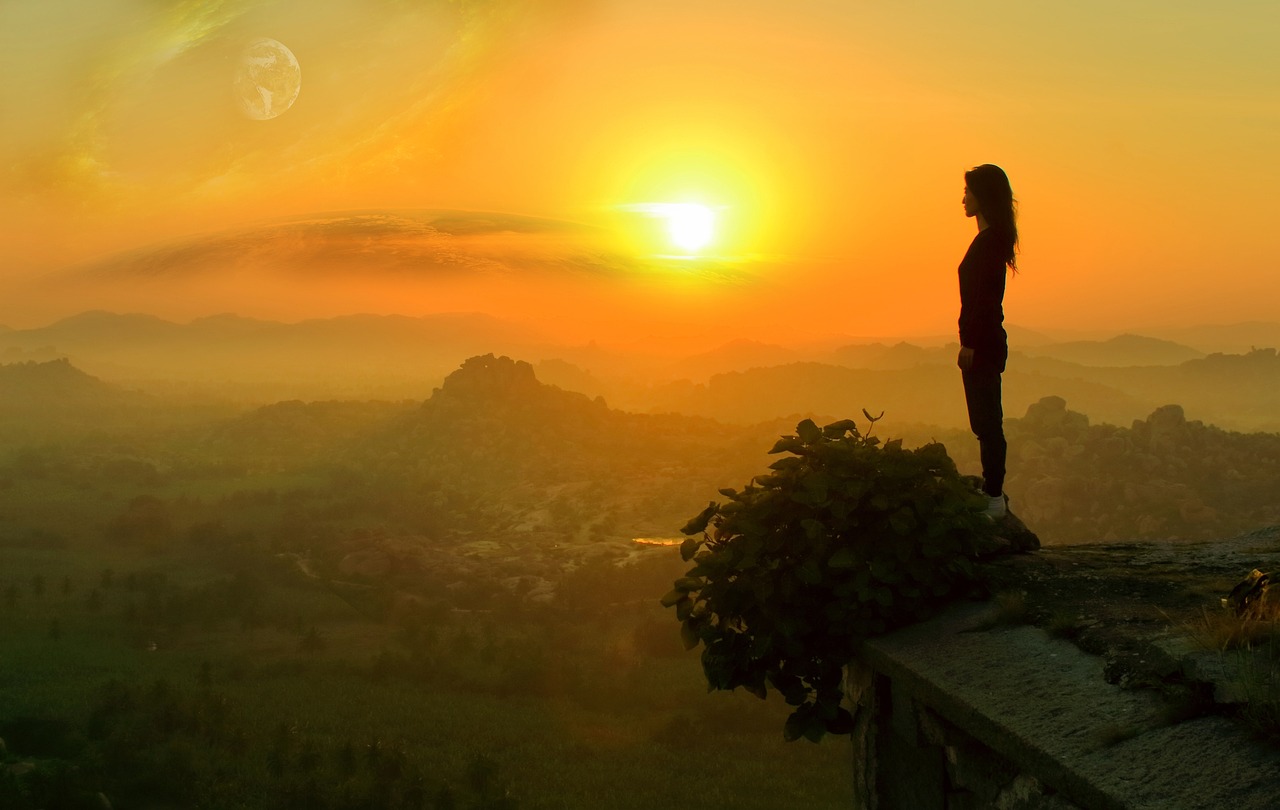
1017,535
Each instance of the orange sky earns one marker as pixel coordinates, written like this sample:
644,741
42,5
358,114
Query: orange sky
830,136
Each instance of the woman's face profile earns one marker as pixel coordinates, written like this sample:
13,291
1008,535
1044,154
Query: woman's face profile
971,207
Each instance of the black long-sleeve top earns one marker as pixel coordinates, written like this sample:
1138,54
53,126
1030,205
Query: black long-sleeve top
982,273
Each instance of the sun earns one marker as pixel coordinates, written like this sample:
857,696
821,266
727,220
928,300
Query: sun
688,228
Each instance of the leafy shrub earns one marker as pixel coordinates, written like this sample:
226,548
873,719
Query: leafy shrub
845,538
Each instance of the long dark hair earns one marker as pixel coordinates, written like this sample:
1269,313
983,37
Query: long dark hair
990,185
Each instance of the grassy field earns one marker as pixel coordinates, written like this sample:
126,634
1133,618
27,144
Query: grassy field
154,685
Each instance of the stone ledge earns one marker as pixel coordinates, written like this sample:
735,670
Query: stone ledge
1043,704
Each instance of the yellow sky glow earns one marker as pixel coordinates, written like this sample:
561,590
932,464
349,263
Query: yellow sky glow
828,140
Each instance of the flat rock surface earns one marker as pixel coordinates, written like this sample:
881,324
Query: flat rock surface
1113,671
1151,611
1044,703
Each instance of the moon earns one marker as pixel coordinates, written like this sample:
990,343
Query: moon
267,80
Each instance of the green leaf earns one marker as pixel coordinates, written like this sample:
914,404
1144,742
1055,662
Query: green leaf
902,522
814,729
933,547
934,454
688,635
837,429
673,597
690,547
842,723
809,573
884,571
795,725
817,484
699,523
762,589
796,694
783,465
787,444
840,509
962,567
844,557
923,571
684,609
809,432
690,584
806,498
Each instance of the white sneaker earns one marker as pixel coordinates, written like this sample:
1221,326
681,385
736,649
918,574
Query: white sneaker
997,506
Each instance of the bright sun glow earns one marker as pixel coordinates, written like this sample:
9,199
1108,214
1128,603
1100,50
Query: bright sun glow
688,227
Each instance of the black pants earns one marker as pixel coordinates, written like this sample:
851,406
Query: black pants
986,418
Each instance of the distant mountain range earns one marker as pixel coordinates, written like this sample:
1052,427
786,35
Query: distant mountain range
399,357
1124,350
1236,338
355,356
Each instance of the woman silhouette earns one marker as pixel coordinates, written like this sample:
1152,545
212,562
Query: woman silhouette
984,346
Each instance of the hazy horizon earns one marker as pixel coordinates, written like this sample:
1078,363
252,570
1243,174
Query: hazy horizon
1205,337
